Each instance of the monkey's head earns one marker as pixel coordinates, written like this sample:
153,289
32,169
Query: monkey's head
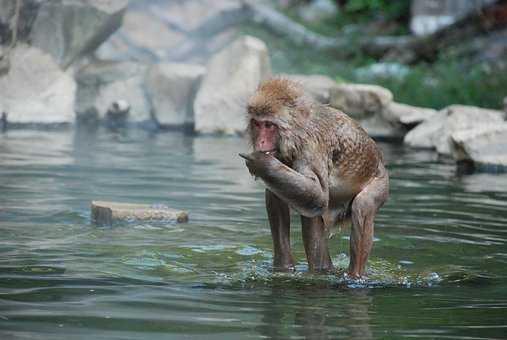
277,115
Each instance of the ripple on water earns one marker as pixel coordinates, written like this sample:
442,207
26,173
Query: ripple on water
440,235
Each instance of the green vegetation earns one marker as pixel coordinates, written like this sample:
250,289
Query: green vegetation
369,16
447,81
393,10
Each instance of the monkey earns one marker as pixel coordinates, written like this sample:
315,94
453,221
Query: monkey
319,162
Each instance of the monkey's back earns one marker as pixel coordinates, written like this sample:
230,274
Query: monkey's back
353,156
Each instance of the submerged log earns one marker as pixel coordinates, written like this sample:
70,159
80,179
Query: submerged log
107,213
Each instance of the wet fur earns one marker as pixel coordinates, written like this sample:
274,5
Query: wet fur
308,129
325,167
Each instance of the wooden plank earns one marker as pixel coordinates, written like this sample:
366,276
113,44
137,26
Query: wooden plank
107,213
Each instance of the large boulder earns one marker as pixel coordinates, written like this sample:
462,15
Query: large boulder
178,31
103,83
66,29
437,130
462,117
35,89
360,100
142,37
407,115
318,86
172,88
70,29
483,145
233,75
424,134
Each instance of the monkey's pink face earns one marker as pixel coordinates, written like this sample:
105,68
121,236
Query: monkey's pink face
265,135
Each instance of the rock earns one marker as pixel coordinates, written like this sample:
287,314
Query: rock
317,10
317,86
71,29
103,83
27,14
424,134
142,37
172,88
360,100
36,90
404,114
178,31
436,131
117,115
505,104
233,75
109,213
486,145
381,130
430,16
461,117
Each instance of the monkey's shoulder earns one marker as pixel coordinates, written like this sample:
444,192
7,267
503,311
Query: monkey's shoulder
352,152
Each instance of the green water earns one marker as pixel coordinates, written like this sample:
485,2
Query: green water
438,268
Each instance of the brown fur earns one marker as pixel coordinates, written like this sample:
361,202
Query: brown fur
325,166
308,128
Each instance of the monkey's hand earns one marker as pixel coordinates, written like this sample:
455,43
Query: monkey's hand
259,163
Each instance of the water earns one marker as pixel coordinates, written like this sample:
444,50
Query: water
438,269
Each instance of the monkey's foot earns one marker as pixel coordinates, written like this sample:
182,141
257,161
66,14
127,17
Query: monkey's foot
283,265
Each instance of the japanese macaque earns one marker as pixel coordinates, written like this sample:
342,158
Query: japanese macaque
321,163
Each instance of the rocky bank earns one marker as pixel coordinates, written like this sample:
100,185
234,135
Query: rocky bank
183,65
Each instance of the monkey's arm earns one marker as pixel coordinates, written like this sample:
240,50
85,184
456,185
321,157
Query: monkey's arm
305,190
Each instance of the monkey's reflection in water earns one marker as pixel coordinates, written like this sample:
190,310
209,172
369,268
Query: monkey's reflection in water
317,313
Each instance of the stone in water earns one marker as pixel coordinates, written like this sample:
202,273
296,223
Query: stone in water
107,213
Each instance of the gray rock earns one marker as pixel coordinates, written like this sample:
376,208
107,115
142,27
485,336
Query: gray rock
436,131
430,16
35,89
142,37
380,129
317,10
172,88
103,83
318,86
179,31
424,134
483,145
233,75
360,100
505,104
404,114
70,29
461,117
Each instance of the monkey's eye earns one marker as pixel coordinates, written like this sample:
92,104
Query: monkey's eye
269,125
255,123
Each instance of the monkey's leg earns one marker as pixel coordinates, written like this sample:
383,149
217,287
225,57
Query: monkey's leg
315,236
364,208
279,221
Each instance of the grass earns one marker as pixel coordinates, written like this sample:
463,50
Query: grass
447,81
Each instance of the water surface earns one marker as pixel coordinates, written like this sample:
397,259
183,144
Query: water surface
438,268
